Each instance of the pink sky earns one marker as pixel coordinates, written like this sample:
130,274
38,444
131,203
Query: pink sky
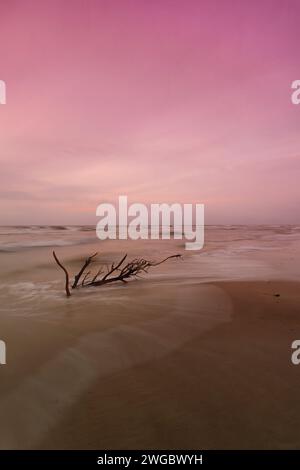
162,100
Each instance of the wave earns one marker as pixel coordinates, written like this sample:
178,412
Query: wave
23,229
24,245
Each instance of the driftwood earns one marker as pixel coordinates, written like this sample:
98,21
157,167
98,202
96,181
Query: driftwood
116,272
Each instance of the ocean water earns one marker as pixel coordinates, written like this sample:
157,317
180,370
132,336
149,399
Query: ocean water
32,283
18,238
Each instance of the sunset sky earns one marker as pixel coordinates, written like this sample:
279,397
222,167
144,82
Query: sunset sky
160,100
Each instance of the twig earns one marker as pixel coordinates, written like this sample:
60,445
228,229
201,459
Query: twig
114,268
86,264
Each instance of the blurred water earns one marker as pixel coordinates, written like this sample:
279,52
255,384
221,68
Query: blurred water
31,282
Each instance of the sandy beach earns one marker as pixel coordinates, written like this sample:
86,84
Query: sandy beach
149,232
197,355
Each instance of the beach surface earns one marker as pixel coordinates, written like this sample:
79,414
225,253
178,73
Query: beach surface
196,355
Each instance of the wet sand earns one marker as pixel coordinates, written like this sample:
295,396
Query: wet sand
230,387
211,369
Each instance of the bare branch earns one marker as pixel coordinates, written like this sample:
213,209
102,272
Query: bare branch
168,257
96,275
66,274
85,265
113,268
85,277
131,269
